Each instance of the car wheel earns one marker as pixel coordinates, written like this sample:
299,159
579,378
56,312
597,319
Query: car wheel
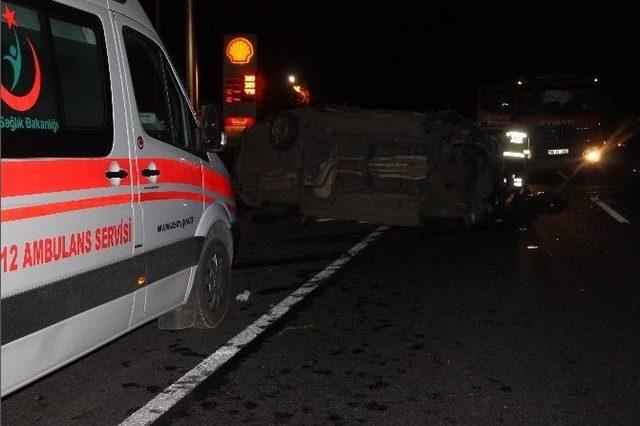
284,131
213,282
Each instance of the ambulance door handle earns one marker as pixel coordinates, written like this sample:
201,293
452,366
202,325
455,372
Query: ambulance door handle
120,174
115,174
150,172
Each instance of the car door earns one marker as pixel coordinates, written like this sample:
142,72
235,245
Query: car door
168,175
67,272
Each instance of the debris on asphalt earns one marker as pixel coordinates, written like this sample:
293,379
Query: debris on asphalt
244,296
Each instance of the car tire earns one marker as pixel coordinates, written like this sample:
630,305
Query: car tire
212,283
283,132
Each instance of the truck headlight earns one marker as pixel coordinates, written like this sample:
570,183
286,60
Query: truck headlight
513,154
592,155
516,136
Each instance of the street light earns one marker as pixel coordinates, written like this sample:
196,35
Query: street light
291,78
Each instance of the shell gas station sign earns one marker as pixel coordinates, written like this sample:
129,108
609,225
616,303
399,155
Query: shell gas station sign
239,51
239,85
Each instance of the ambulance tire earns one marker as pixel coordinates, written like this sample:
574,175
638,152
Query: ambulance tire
283,132
212,284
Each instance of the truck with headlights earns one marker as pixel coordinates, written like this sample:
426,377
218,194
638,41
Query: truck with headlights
557,123
546,123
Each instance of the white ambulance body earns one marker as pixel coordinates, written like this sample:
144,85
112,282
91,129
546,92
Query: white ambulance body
112,212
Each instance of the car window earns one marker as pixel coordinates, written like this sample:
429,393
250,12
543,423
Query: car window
76,49
145,65
185,124
176,103
56,91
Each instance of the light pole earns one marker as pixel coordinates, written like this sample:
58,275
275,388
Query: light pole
192,58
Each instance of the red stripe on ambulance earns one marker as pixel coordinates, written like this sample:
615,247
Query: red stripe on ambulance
21,178
173,195
41,177
214,181
19,213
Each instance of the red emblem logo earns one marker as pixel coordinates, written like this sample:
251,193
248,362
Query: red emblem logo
25,101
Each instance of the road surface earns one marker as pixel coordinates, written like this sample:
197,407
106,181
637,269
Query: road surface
533,319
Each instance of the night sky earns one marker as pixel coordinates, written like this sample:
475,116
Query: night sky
415,55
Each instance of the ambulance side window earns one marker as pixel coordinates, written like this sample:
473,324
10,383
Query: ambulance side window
56,99
150,91
162,109
76,48
185,123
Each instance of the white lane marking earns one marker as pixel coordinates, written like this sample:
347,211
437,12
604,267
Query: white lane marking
614,214
562,175
187,383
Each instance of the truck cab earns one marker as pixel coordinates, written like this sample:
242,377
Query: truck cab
560,121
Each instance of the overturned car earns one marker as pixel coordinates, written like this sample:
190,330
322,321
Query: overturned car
391,167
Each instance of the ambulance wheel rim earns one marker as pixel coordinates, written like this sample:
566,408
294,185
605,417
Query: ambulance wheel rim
214,282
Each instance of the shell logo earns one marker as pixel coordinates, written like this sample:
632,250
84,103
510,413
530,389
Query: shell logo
239,51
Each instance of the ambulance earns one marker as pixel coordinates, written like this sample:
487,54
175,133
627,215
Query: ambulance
115,210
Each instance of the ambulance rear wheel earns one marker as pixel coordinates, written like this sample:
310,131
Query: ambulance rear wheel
213,283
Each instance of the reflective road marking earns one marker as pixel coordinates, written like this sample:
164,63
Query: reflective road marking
614,214
187,383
